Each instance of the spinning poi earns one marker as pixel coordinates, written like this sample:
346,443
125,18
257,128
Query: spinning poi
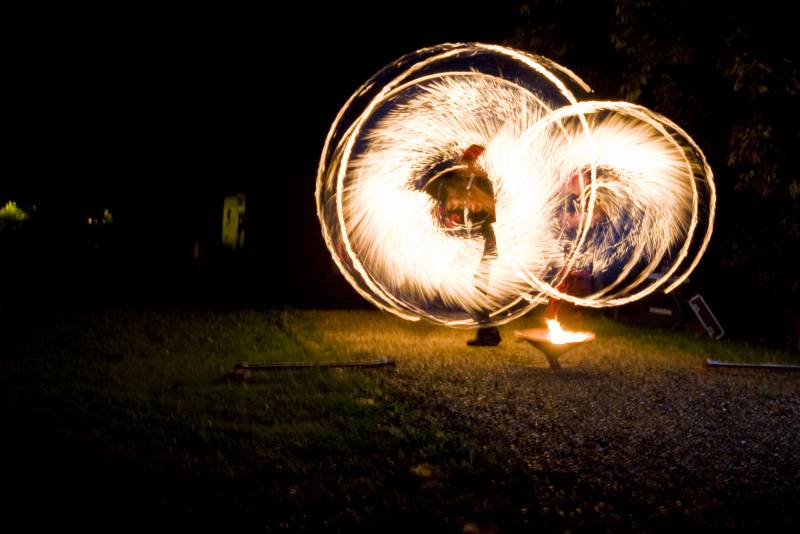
465,183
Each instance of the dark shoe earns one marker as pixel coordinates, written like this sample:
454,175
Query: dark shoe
487,337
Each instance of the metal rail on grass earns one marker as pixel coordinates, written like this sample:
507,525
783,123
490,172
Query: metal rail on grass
770,366
244,368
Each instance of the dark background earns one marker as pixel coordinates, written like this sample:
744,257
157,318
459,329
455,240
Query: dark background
157,114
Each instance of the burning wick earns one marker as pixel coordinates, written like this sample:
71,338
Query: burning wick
559,336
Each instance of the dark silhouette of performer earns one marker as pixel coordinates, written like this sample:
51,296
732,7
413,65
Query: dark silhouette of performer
466,205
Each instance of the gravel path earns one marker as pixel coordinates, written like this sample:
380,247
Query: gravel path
634,442
630,435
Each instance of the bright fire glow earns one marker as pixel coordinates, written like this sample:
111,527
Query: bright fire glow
559,336
605,188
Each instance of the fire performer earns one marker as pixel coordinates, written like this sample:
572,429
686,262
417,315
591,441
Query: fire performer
466,204
577,281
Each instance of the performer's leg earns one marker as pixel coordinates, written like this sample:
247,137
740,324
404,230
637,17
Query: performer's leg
487,336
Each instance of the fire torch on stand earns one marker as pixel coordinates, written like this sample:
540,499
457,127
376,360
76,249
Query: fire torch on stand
554,341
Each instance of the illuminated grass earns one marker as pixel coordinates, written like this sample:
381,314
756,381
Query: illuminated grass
143,398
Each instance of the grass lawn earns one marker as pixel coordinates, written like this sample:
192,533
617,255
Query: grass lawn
127,419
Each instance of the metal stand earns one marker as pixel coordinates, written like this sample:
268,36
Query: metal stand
540,338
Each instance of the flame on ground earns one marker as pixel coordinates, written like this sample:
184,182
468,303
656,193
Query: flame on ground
559,336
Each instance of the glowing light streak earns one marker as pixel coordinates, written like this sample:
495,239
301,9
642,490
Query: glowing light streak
608,188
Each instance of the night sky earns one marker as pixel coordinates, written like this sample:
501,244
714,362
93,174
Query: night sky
112,105
157,114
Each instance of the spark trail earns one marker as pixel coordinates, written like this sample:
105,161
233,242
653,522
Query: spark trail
608,188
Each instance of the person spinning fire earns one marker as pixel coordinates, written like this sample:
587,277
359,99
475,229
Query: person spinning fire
571,214
466,204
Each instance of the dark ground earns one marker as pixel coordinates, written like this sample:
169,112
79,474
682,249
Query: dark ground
123,420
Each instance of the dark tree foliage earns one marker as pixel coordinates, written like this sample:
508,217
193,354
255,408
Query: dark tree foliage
729,76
